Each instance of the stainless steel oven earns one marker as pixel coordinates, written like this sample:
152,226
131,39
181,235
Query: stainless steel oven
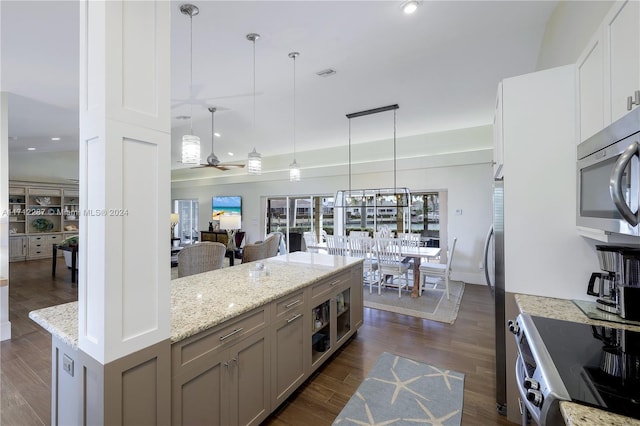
568,361
608,177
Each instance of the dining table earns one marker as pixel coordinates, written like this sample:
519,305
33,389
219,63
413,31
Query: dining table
417,253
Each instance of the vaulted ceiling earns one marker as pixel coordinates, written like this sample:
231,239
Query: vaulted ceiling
441,65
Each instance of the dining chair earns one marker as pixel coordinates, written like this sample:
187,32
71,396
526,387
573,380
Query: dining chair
310,241
201,257
358,234
383,232
387,251
437,271
261,249
361,248
337,244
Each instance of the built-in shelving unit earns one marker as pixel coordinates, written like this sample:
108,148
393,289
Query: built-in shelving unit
40,215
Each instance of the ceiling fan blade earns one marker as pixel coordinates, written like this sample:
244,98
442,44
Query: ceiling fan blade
232,165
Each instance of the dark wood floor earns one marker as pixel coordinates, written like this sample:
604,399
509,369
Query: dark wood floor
466,346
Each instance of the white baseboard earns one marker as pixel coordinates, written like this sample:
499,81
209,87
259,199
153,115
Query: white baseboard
468,277
5,331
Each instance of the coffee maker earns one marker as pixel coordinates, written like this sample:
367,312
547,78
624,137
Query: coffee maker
618,286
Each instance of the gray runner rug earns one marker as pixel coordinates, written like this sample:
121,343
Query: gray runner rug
400,391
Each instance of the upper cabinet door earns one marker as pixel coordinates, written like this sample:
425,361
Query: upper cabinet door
622,38
590,85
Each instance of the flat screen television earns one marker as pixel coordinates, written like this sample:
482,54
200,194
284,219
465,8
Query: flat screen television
226,204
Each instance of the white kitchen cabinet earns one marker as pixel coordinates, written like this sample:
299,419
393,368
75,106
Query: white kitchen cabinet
498,141
622,72
590,85
608,70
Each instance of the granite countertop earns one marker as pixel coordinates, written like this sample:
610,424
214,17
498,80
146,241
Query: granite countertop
563,309
202,301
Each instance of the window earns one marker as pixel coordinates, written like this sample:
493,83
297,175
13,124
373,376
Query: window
425,217
298,214
187,228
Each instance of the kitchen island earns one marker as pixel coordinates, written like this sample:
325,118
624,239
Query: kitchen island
242,339
562,309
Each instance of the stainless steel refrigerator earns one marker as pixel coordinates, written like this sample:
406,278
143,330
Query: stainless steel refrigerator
494,274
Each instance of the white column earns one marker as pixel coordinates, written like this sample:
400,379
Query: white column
124,257
5,325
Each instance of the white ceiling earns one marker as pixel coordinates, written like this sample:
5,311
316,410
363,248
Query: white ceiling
441,65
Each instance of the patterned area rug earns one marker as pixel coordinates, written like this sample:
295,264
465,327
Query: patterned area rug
432,305
399,391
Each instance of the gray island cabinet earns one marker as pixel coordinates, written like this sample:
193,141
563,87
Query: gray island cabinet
240,345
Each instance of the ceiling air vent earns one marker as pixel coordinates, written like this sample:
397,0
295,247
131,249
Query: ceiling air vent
326,73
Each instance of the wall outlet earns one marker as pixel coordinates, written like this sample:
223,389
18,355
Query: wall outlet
67,364
480,266
458,212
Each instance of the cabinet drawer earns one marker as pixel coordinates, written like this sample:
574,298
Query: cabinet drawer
329,284
229,332
289,303
37,239
54,239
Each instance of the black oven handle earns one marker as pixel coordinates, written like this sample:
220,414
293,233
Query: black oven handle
615,184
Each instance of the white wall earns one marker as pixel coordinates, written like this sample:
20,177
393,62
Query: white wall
44,166
467,177
568,31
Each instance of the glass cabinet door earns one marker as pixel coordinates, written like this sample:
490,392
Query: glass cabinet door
343,321
321,330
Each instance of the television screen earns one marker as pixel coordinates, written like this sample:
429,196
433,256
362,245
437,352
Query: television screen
231,205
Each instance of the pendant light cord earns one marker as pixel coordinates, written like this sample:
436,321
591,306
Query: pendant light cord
394,151
254,88
294,108
191,73
349,157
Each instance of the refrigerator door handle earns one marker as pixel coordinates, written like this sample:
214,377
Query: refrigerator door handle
487,243
616,181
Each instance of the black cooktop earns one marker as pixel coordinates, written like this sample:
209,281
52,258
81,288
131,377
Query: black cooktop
599,366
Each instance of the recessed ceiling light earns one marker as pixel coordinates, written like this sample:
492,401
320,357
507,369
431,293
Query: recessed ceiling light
31,149
55,139
216,134
409,7
230,153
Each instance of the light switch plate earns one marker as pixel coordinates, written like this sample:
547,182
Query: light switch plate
67,364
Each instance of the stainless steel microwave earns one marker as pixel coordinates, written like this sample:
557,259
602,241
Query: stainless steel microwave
608,178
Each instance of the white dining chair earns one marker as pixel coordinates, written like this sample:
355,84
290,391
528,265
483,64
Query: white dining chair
337,244
310,241
361,248
358,234
387,251
433,273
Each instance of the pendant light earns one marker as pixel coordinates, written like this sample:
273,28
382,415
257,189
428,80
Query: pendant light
254,160
190,142
294,168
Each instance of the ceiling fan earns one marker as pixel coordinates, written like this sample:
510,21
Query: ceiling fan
212,159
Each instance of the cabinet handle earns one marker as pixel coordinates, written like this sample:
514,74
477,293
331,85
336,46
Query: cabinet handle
635,100
295,317
226,364
288,305
238,330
